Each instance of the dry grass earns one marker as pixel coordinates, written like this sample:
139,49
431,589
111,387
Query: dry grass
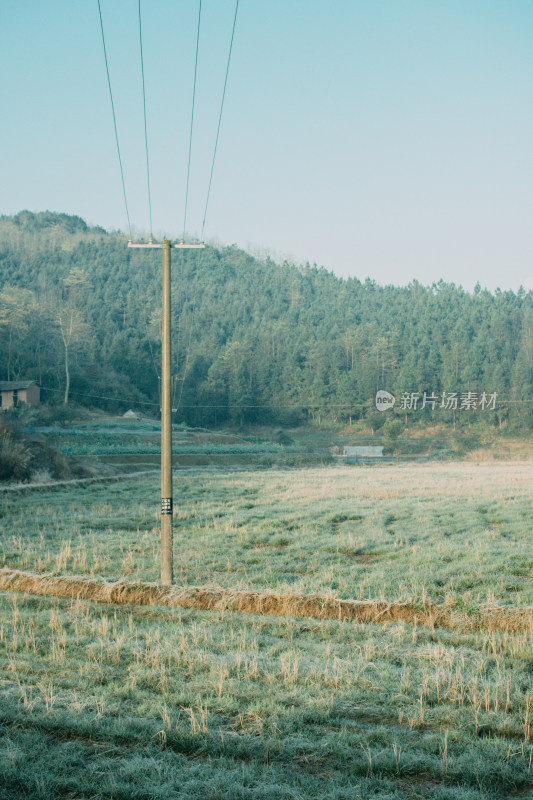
454,535
513,620
166,692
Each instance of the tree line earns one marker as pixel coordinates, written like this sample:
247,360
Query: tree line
254,342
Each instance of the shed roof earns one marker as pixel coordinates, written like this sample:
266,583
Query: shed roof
10,386
365,451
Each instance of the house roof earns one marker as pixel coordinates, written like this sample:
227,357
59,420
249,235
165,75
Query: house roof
10,386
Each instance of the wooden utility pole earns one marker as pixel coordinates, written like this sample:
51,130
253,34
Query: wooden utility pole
167,550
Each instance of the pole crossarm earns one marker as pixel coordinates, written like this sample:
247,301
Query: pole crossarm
178,246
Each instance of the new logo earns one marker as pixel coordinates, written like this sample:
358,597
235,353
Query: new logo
384,400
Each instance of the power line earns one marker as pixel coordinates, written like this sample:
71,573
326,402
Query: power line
133,401
220,118
192,118
127,401
302,405
114,117
145,126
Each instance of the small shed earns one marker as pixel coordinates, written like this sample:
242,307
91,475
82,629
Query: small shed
17,393
356,453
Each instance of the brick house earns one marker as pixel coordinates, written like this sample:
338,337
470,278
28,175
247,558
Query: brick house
16,393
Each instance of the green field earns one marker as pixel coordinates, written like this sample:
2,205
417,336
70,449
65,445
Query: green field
126,701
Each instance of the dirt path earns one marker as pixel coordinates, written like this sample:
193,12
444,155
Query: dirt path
39,487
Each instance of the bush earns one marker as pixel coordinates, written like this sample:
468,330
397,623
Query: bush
284,439
466,441
376,421
14,458
60,414
392,429
22,456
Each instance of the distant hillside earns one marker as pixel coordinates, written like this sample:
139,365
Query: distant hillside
254,341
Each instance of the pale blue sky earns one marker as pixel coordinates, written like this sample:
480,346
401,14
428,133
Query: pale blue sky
382,138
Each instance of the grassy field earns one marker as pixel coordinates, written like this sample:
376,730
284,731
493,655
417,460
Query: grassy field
133,702
455,531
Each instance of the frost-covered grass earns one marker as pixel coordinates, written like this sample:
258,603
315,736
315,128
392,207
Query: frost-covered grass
132,702
457,532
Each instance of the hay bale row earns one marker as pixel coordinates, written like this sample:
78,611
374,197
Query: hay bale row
512,620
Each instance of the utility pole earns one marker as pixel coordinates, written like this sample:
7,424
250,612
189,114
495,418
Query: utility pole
167,552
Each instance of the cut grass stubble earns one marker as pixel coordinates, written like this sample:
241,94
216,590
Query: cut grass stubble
133,701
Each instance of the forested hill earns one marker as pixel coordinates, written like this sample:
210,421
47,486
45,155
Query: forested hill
253,341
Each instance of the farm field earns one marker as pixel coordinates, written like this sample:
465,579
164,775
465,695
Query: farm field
455,531
101,701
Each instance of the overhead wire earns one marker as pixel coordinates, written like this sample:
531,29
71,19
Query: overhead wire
301,405
192,117
220,119
145,125
182,381
114,117
215,149
136,401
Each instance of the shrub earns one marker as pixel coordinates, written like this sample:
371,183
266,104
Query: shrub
21,456
14,458
284,439
468,440
60,414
